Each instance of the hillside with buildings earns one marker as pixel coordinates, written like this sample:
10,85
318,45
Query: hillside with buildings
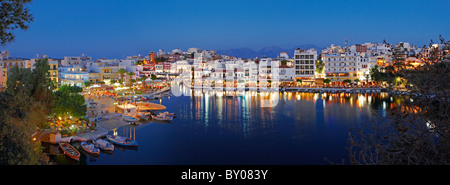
339,63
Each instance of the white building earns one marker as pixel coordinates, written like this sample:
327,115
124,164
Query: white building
251,71
194,50
265,68
342,66
286,73
160,53
182,66
305,66
4,54
177,50
72,61
73,75
283,56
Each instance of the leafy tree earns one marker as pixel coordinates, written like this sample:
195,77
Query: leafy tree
415,130
299,81
19,81
42,86
139,62
69,102
375,74
13,15
347,81
87,83
327,81
356,80
320,65
35,84
112,81
19,117
24,105
153,77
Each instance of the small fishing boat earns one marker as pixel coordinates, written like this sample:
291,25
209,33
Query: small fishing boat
142,116
123,141
90,148
69,150
129,118
162,117
104,145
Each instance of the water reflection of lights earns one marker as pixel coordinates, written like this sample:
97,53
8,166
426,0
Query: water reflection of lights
384,95
241,106
361,100
219,93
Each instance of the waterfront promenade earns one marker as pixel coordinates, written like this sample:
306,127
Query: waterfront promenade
110,120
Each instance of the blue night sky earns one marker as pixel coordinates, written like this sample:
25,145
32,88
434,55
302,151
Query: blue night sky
119,28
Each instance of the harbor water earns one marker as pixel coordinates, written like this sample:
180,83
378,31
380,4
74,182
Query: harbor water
216,127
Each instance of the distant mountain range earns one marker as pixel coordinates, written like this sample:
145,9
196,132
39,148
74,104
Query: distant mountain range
271,51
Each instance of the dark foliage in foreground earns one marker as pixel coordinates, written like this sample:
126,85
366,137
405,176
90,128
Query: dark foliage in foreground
416,131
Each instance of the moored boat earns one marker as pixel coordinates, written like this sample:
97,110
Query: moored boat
90,148
162,117
123,141
69,150
142,116
129,118
104,145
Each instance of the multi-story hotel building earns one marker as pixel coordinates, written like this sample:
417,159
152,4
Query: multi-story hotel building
103,72
342,66
74,75
304,62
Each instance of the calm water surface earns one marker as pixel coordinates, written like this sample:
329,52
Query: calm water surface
219,128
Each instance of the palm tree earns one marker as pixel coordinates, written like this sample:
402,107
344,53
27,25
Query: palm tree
143,81
122,72
130,74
